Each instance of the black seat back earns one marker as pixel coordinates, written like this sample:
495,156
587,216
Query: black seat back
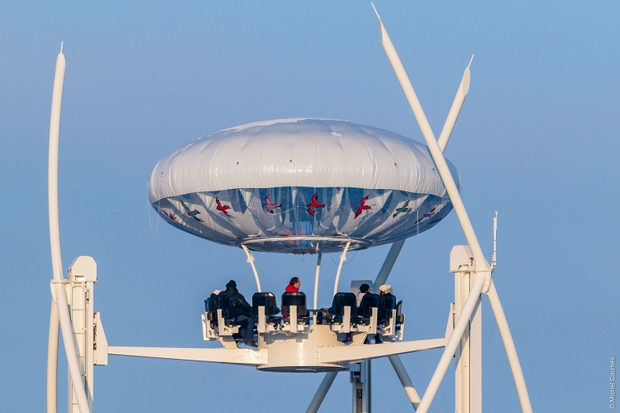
298,299
211,304
211,308
342,300
224,303
369,301
268,300
387,303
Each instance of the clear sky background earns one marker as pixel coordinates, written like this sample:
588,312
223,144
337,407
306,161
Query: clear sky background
537,140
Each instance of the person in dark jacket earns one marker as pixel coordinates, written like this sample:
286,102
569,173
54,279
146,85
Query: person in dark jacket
241,310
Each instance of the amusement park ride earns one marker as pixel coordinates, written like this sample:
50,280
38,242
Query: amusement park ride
299,186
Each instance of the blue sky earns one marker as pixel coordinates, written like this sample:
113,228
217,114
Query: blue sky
537,140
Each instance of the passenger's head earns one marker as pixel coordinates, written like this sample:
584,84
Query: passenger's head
216,292
231,284
385,289
364,288
295,282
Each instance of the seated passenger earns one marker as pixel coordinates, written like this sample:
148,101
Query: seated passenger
387,302
364,288
211,307
242,312
293,285
385,290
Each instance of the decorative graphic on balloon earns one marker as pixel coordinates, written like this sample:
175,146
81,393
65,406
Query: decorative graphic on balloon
300,186
314,205
362,207
402,209
271,207
221,207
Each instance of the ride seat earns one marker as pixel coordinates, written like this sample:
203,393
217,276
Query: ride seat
340,301
364,311
211,309
298,299
267,300
387,303
400,317
229,313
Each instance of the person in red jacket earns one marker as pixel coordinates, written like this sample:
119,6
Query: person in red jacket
293,285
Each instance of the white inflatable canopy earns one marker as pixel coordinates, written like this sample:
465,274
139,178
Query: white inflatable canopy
300,186
297,152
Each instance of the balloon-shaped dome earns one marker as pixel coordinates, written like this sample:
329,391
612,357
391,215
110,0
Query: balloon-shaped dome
300,186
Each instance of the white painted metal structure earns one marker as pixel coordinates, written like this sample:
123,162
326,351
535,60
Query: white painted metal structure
483,281
322,348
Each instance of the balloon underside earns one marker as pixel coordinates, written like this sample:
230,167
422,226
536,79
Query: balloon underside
301,220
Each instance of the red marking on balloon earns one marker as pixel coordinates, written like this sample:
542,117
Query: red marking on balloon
314,204
221,207
362,207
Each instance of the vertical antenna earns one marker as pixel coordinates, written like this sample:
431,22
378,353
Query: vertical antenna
494,262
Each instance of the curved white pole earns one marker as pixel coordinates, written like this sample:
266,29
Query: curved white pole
61,299
316,282
343,258
511,351
52,361
251,262
52,173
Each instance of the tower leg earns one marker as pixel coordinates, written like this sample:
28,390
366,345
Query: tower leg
361,384
468,357
82,276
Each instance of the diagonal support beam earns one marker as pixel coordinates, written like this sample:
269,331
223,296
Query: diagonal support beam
473,300
321,392
401,372
388,264
511,351
433,147
483,271
457,104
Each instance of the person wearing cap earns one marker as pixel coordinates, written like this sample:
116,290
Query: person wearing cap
242,311
215,293
385,290
293,285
